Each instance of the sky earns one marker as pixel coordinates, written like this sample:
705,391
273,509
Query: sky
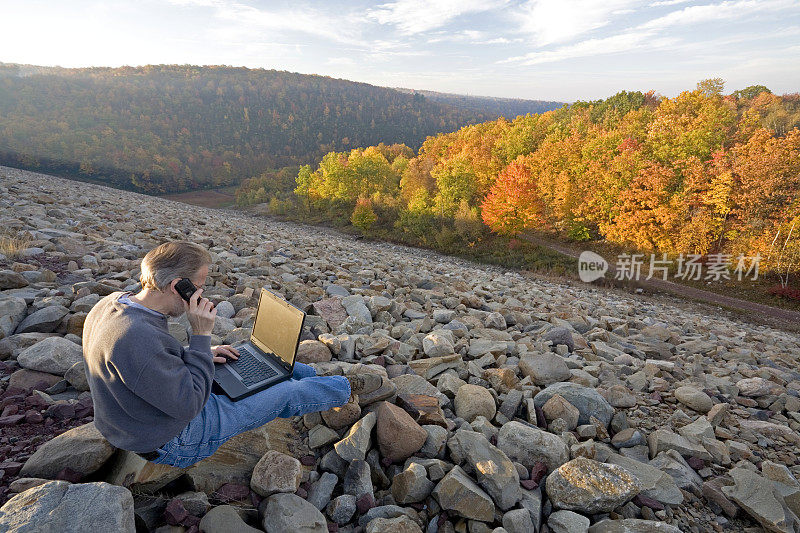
562,50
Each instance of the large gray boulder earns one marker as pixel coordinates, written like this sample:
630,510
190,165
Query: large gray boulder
82,449
54,355
588,401
494,470
528,445
13,345
544,368
12,311
62,507
456,492
656,484
761,499
225,519
289,513
632,525
12,280
589,487
276,472
45,320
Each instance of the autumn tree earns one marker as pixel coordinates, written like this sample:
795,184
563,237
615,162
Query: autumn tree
513,204
692,124
711,86
363,216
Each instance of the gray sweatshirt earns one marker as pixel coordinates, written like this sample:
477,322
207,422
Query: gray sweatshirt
146,387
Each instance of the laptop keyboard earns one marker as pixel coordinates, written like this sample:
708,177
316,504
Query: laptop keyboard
251,369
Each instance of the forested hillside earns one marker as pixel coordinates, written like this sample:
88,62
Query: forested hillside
699,173
165,128
501,107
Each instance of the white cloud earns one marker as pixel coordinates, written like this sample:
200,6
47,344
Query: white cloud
500,40
335,27
418,16
668,3
623,42
341,61
649,35
555,21
715,12
195,3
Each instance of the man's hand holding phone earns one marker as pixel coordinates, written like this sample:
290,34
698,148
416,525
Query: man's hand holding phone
201,313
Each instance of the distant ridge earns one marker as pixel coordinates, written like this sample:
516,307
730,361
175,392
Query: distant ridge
171,128
503,107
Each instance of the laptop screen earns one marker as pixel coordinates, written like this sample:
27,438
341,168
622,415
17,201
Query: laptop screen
277,326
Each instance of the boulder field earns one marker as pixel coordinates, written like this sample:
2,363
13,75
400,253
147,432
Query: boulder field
513,403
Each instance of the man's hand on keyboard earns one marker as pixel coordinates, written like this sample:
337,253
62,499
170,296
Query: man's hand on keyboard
224,353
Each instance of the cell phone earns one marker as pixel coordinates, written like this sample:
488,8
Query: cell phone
185,288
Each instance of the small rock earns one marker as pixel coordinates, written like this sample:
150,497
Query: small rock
225,519
590,487
457,493
632,525
568,522
518,521
530,445
544,369
494,470
289,513
558,407
310,352
276,472
694,399
588,401
342,508
474,400
357,441
411,485
394,422
761,499
342,416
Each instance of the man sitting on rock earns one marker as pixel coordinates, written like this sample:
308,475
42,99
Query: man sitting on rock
153,396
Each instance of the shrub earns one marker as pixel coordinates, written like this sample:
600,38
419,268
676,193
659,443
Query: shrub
419,223
11,244
785,292
363,216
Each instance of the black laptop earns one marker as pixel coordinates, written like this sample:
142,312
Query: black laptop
268,358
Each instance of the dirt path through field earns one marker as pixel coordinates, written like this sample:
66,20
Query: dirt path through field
752,309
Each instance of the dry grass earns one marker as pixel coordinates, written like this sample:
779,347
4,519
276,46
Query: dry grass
11,244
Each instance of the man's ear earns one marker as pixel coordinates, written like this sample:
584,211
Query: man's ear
172,286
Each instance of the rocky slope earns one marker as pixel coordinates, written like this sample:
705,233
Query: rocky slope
514,403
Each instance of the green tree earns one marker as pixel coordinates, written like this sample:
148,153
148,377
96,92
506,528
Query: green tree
748,93
363,216
455,181
711,86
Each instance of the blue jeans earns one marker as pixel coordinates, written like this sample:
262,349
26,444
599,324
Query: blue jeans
221,418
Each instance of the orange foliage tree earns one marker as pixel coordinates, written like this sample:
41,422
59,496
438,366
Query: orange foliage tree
513,204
